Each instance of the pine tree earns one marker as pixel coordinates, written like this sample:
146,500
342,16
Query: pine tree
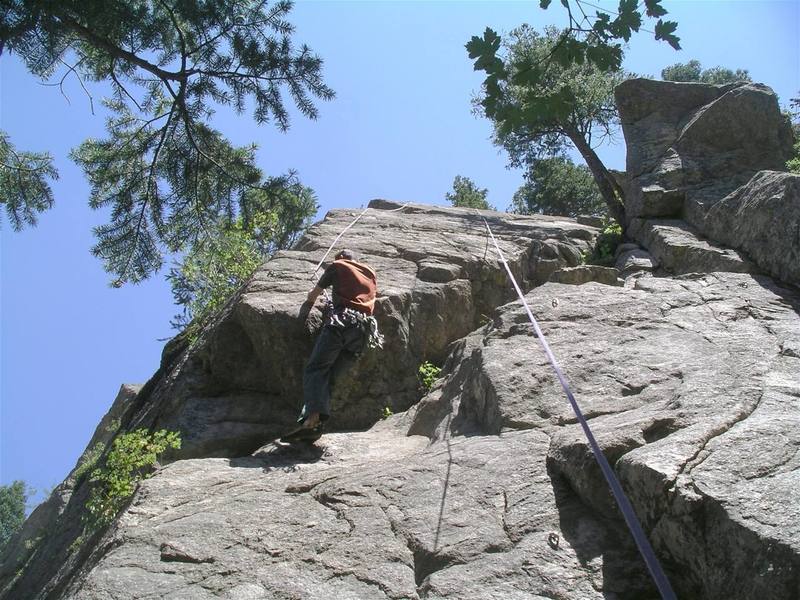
24,186
211,272
165,173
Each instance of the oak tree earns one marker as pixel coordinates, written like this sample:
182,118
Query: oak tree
522,95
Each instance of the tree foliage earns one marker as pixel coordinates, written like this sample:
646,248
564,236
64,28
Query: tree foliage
693,71
163,171
557,186
468,195
793,165
12,510
24,186
208,275
536,134
521,95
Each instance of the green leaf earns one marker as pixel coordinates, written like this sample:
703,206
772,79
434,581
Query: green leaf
493,89
544,3
474,47
628,20
485,46
570,51
665,31
628,7
526,73
605,57
654,8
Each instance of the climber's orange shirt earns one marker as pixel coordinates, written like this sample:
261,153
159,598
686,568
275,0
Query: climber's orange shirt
354,285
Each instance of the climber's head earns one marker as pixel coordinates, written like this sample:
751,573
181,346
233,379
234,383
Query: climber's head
345,255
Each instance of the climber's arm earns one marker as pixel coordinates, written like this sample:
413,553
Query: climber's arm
314,294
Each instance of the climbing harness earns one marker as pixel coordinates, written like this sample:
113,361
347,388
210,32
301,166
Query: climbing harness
347,317
635,528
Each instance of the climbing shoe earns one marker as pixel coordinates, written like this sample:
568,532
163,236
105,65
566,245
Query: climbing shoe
303,434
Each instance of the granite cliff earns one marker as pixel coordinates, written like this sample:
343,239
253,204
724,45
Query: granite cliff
685,358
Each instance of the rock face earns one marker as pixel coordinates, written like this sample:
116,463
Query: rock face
692,147
371,515
691,387
688,371
487,489
240,383
762,219
690,144
586,273
678,247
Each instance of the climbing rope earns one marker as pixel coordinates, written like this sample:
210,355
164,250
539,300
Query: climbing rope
345,230
646,550
639,537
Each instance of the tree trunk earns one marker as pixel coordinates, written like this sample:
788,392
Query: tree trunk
609,188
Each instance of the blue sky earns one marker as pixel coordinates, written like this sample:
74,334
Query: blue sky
401,128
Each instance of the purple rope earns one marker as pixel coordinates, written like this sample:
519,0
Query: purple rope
639,537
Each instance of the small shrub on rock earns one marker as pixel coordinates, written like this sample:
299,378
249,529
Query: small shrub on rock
428,373
605,246
132,458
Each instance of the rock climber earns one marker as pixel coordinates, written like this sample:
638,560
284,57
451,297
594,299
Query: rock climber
348,328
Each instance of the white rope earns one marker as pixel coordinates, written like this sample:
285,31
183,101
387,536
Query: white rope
338,237
653,566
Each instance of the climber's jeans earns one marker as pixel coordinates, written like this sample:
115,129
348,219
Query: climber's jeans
334,352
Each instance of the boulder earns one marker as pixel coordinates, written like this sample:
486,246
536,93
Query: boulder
586,273
679,248
635,260
762,219
691,144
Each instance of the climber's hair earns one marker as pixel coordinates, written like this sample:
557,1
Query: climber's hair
345,254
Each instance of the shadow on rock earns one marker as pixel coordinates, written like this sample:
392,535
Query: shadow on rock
602,544
280,457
